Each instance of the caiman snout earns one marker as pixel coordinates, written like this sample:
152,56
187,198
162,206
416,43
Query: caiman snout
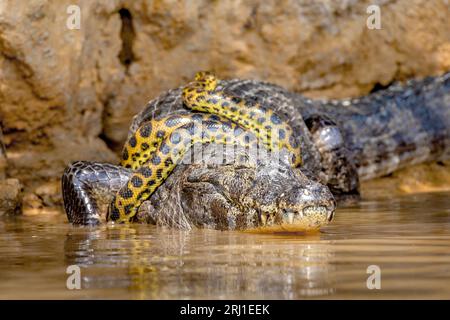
307,207
293,201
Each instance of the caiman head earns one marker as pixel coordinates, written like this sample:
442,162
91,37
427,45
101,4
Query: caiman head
240,195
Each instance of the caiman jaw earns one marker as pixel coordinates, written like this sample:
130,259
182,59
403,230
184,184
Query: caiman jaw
289,216
266,218
309,217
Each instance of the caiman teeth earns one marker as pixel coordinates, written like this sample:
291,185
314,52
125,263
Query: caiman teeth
263,219
290,217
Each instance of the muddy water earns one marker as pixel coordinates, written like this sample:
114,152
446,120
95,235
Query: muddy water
408,238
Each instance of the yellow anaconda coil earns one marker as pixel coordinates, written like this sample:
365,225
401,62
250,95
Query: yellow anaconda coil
200,95
158,145
145,141
152,174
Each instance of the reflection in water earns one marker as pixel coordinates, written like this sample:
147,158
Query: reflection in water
205,263
407,237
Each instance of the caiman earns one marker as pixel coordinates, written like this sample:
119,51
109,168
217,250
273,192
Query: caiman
244,154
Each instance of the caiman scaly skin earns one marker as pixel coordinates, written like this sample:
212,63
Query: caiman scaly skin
341,142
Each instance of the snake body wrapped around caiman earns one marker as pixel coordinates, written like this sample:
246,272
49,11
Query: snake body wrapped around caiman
328,146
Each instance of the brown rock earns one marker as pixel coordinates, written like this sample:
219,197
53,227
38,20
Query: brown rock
11,193
3,161
434,177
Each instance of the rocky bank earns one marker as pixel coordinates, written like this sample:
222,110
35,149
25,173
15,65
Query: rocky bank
69,94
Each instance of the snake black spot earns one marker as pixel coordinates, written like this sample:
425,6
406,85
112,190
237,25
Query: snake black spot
126,193
160,134
212,101
175,138
225,104
233,109
136,182
125,154
214,117
159,173
146,130
281,134
156,160
128,166
128,208
132,141
114,214
246,122
144,146
275,119
136,155
150,183
146,172
168,162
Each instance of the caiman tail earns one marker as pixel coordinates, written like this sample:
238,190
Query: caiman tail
394,128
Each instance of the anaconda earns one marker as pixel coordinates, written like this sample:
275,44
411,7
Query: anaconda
341,142
158,145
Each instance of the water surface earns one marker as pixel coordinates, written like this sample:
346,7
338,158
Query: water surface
407,237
